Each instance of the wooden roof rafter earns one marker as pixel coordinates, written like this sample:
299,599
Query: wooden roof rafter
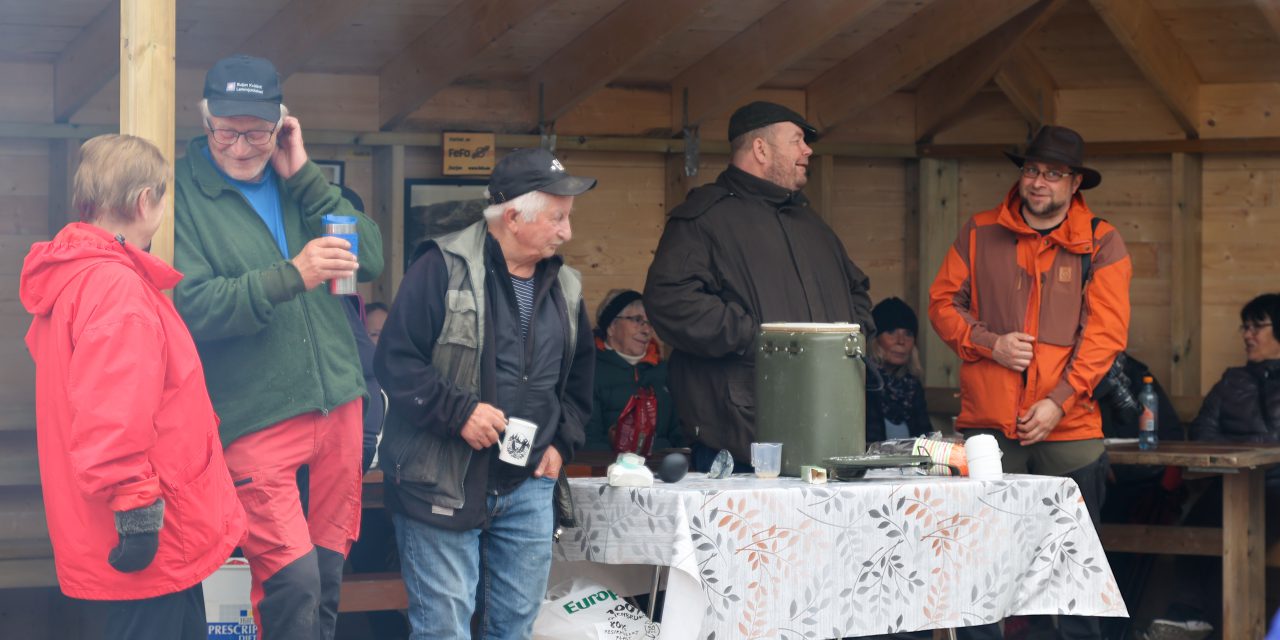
290,37
1271,12
902,55
721,79
1027,83
944,92
1162,60
606,49
444,52
91,62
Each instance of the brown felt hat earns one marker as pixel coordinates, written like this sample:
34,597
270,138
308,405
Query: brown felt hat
1059,145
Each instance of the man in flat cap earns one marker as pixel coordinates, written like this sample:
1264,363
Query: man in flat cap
1034,298
279,357
741,251
488,326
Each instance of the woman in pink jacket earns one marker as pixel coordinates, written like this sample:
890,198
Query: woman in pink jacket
139,502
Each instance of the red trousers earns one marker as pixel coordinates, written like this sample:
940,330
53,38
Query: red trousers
264,466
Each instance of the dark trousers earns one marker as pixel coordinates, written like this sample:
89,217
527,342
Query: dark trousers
703,456
177,616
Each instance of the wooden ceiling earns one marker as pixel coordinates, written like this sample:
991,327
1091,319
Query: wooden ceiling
1197,68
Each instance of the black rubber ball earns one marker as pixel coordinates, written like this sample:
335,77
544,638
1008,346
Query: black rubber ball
673,467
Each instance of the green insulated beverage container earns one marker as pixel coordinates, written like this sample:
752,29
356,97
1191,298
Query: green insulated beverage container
811,391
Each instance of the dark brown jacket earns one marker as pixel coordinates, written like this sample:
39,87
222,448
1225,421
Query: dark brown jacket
737,253
1243,407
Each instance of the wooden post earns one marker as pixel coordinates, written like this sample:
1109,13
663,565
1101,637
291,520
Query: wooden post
939,223
388,180
1187,216
677,183
1243,554
64,154
822,186
147,95
911,236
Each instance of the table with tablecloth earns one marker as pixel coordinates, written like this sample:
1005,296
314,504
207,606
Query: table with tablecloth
784,559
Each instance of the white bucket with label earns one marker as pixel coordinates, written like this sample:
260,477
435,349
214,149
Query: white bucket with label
226,602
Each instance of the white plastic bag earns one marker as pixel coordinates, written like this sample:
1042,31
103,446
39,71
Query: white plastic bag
581,609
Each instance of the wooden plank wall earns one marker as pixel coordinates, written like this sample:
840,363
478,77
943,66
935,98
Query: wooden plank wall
1240,257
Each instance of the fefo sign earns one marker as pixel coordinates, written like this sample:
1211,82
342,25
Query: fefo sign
468,154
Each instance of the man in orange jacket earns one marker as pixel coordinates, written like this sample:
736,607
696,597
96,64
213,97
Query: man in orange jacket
1034,298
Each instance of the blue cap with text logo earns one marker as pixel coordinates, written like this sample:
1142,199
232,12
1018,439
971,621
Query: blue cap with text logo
243,85
525,170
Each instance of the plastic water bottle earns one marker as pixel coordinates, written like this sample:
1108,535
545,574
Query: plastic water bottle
1147,439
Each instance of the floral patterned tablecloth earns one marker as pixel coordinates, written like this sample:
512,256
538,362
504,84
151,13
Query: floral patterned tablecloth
784,559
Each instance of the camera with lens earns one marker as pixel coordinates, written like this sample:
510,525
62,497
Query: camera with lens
1116,390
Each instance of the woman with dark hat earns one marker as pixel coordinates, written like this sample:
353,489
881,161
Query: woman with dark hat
897,411
627,360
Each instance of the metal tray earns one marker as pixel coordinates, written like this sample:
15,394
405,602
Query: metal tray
854,467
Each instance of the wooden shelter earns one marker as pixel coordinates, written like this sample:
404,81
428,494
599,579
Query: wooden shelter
916,99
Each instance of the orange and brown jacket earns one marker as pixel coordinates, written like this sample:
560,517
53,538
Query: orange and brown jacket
1001,276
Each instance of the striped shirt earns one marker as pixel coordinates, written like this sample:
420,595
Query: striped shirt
524,300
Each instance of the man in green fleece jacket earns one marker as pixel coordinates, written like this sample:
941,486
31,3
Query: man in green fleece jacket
279,357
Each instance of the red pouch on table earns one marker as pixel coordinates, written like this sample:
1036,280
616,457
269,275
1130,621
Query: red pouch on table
637,424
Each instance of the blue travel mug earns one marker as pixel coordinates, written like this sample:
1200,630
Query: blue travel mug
343,227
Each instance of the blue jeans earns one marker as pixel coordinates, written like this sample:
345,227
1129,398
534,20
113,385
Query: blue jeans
499,570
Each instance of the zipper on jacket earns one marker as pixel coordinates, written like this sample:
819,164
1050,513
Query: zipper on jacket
306,314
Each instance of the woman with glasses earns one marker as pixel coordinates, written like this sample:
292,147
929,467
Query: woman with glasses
1244,406
627,360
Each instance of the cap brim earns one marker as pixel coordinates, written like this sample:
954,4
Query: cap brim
222,108
569,186
1090,178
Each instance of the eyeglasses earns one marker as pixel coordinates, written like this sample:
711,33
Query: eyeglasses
1053,175
229,137
640,320
1248,328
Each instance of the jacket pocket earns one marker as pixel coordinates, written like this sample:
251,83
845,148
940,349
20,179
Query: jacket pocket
420,457
461,322
198,512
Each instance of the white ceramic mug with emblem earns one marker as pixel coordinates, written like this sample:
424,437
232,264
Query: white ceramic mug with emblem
517,442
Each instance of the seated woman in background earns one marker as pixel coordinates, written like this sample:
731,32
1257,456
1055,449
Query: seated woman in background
627,360
1244,406
897,411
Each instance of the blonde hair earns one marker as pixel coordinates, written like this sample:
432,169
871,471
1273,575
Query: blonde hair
114,171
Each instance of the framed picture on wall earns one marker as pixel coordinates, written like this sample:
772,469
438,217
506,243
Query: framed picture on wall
332,170
436,206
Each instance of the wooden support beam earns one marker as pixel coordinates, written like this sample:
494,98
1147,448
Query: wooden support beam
444,53
88,64
1186,218
1026,82
945,91
939,224
677,184
1271,13
912,280
606,49
1138,27
1243,554
64,154
821,188
388,180
147,90
718,82
298,30
902,55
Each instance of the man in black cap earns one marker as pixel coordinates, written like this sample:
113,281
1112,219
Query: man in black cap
744,250
1034,298
488,325
279,357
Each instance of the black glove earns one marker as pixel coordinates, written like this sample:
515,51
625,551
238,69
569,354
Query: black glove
139,531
